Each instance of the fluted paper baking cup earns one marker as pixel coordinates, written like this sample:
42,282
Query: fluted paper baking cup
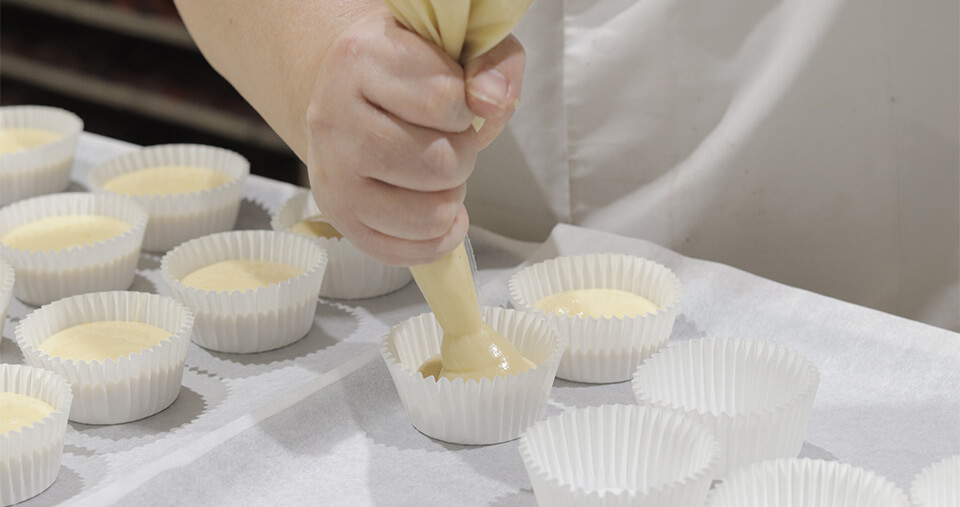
7,279
111,264
30,458
938,485
350,274
44,169
602,349
806,483
754,396
255,320
114,391
177,218
619,455
469,411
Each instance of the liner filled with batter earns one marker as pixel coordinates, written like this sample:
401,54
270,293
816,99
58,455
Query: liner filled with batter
106,264
30,456
471,411
42,169
350,273
259,318
114,388
181,212
602,349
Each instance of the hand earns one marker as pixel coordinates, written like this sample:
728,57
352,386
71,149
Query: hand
390,143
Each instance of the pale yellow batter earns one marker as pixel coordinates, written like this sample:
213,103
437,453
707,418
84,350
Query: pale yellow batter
470,349
596,303
18,411
65,231
432,367
240,275
99,341
14,139
166,180
316,227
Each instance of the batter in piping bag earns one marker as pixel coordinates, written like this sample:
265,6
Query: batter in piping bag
471,349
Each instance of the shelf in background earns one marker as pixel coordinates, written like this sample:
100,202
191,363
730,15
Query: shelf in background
92,88
113,18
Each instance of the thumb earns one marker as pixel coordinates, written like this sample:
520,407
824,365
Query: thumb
493,83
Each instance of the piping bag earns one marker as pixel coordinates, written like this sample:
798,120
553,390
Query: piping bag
470,349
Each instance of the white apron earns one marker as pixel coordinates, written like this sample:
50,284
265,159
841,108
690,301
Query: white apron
813,142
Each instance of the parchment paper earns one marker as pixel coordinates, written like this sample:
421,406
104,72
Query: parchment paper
319,422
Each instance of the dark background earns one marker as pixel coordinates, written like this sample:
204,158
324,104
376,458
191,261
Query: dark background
131,71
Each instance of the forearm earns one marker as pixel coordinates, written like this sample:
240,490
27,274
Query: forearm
271,51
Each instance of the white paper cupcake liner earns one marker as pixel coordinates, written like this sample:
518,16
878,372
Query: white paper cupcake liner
255,320
350,274
30,458
472,412
806,483
43,277
754,396
181,217
619,455
602,349
44,169
111,392
938,485
7,279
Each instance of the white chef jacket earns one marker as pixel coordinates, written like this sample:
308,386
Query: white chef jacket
813,142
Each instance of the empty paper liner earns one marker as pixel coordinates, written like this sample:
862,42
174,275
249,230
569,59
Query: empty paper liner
938,485
754,396
806,483
619,455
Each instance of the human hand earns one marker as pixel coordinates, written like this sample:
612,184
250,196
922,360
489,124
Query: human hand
390,143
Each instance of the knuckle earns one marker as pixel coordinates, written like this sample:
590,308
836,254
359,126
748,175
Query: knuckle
445,100
317,118
351,46
440,160
449,206
379,136
441,216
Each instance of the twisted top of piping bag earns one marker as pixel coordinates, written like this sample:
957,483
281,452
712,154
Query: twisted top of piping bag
465,29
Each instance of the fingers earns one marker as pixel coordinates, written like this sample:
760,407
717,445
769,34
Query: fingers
408,214
396,251
390,145
393,189
397,186
386,248
493,85
415,158
415,81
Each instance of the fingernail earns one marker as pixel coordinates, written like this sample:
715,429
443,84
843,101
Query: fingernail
490,86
